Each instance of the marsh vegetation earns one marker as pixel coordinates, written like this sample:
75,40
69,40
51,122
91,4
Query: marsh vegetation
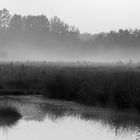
107,86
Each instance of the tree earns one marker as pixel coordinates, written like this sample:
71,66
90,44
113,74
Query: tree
36,23
16,23
57,26
74,31
4,19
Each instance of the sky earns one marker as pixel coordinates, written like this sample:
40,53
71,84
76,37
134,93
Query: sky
91,16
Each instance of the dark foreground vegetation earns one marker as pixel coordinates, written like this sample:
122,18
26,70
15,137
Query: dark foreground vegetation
108,86
9,116
7,111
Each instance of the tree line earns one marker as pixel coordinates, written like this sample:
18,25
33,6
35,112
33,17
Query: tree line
35,29
40,29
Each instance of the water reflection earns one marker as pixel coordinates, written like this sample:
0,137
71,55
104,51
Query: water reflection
41,116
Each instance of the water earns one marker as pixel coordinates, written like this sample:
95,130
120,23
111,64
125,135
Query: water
43,120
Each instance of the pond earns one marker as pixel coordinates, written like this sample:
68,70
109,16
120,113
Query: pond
42,119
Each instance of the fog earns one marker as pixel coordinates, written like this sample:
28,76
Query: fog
27,52
39,38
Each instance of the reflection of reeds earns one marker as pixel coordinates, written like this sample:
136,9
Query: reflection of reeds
138,134
118,122
38,109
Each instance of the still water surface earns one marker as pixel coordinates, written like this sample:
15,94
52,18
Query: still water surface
46,120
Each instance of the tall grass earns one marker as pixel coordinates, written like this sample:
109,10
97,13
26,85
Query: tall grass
108,86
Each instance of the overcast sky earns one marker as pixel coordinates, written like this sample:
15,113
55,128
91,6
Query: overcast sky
88,15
